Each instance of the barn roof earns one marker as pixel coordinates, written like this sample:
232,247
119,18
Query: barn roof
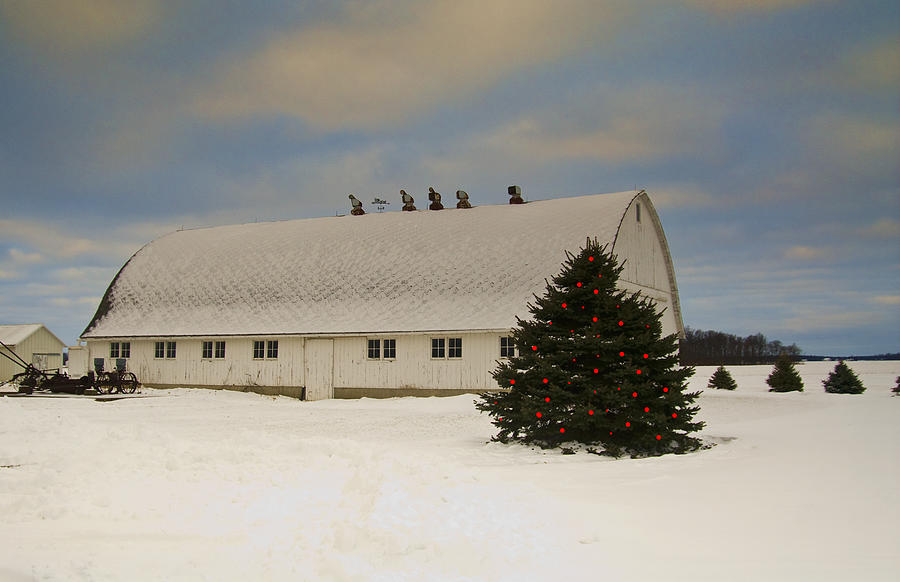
455,269
14,334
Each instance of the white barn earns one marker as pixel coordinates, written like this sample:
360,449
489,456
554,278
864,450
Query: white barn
32,342
375,305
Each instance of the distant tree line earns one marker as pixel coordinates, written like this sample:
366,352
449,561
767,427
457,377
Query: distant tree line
707,347
894,356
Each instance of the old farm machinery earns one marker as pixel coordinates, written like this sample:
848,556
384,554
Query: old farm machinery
31,379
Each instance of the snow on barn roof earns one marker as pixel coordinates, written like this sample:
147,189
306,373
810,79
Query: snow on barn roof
14,334
448,270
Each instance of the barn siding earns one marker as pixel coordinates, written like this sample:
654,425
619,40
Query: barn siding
238,368
413,371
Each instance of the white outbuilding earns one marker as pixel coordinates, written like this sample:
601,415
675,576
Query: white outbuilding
32,342
385,304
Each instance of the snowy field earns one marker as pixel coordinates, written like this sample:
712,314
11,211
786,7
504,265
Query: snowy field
207,485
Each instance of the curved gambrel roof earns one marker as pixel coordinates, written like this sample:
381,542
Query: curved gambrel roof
448,270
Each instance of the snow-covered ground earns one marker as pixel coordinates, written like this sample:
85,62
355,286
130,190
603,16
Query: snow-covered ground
207,485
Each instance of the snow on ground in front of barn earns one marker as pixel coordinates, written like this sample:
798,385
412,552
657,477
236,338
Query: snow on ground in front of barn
215,485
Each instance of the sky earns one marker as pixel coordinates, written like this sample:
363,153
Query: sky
766,132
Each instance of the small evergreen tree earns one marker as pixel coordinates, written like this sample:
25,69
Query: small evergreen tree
592,367
896,389
722,380
784,377
843,380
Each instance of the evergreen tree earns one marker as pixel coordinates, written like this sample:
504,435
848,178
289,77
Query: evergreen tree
896,389
843,380
784,377
592,367
722,380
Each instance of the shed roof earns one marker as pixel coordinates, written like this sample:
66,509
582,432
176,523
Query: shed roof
454,269
17,333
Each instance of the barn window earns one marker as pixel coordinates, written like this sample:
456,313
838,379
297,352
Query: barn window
125,350
507,347
390,349
638,212
170,350
259,350
220,350
207,350
160,351
113,349
374,349
438,347
272,349
450,347
378,349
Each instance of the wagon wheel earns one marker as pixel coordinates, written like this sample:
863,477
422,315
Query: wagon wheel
129,383
105,384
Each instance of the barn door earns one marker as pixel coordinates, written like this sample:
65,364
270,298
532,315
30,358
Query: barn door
39,361
319,369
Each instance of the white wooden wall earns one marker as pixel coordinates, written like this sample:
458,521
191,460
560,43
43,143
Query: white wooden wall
344,360
414,368
238,368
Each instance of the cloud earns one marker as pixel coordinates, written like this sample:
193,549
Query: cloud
599,125
887,299
732,7
683,196
20,257
834,319
70,302
804,253
7,275
65,29
64,244
882,228
380,64
874,65
851,138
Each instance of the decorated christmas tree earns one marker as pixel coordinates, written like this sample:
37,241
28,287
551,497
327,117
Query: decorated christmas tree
593,367
784,377
843,380
722,380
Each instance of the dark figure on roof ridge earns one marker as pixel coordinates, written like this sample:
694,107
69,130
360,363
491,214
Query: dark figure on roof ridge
408,201
463,198
515,193
357,206
435,198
